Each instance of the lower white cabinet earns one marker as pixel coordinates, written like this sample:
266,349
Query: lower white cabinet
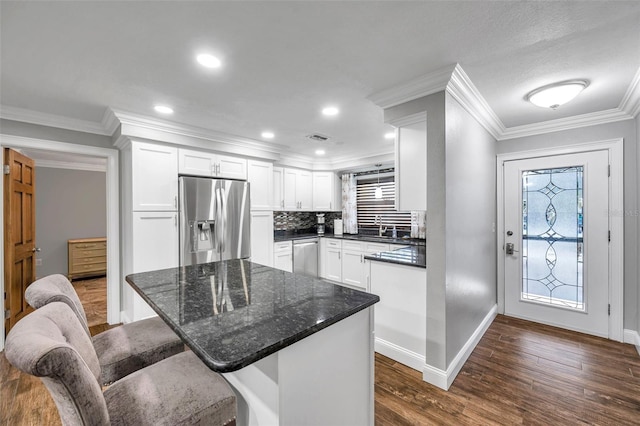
154,246
401,314
331,259
283,256
262,237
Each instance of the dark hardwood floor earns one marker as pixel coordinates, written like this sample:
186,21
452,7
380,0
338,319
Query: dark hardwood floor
520,373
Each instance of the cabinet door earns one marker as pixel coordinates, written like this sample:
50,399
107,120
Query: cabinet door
411,166
289,196
155,246
325,192
278,188
261,184
154,177
304,190
353,268
283,260
262,237
197,163
333,263
231,167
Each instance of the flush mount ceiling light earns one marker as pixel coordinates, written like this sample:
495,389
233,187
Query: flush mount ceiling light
330,110
320,152
163,109
208,61
556,94
267,134
390,135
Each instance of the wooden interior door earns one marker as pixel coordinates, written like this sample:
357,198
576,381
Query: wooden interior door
19,233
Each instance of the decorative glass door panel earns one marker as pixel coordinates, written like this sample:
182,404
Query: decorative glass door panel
552,241
556,252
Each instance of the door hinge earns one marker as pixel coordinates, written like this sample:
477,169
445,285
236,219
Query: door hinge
609,236
6,169
7,314
609,310
609,170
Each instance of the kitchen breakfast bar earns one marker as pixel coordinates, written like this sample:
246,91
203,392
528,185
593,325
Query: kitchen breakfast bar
296,350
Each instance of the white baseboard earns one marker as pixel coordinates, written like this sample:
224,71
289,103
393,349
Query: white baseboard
444,379
397,353
632,337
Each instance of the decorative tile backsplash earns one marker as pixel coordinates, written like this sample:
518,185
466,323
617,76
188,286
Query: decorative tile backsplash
291,221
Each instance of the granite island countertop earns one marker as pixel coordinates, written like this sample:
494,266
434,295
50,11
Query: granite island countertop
234,313
286,236
409,256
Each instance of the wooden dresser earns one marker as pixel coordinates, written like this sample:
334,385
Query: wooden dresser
87,257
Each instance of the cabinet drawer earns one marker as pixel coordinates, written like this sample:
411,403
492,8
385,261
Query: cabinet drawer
90,267
91,246
86,260
80,253
352,245
334,243
376,247
282,246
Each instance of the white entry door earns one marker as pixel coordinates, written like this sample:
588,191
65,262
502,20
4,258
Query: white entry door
557,240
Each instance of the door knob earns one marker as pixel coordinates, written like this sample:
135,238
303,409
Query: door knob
36,250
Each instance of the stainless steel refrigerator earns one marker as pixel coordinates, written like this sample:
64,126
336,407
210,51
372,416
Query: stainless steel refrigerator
214,220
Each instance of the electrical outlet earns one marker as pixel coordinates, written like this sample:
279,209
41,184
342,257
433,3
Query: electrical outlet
38,262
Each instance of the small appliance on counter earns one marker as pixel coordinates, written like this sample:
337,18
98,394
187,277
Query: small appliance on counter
337,227
320,223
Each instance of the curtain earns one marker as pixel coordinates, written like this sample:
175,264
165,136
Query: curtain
418,224
349,204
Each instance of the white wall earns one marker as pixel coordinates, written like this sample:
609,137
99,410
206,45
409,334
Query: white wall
69,204
622,129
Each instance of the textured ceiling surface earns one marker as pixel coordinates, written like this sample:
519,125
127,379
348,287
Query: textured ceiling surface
284,61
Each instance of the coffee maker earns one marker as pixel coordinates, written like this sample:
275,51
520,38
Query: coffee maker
320,223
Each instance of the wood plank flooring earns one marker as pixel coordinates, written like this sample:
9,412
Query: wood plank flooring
520,373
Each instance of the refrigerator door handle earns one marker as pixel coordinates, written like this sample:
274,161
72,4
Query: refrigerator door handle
223,206
218,219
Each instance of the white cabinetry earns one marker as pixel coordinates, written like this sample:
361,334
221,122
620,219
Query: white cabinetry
411,162
262,237
331,259
260,177
283,256
150,216
201,163
326,192
353,273
154,177
298,189
401,314
278,188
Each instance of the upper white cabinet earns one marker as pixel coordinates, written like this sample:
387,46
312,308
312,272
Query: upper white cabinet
278,188
201,163
297,189
260,177
327,192
154,175
411,162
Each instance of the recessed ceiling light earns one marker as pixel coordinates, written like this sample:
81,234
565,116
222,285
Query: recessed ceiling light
207,60
320,152
267,134
556,94
330,111
163,109
390,135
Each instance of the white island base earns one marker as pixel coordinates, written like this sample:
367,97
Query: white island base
324,379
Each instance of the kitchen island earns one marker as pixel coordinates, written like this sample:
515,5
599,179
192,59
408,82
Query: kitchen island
297,350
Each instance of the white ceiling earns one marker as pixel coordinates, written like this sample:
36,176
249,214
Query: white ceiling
284,61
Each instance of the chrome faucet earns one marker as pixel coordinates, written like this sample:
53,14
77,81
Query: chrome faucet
378,221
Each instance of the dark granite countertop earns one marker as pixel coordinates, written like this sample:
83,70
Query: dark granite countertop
234,313
286,236
410,256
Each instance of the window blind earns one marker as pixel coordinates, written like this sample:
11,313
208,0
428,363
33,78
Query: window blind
369,207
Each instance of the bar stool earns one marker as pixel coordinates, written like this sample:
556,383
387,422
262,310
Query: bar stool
50,343
121,350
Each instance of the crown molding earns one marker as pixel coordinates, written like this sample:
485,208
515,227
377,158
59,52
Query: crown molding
110,122
422,86
51,120
631,101
465,92
567,123
408,120
54,164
